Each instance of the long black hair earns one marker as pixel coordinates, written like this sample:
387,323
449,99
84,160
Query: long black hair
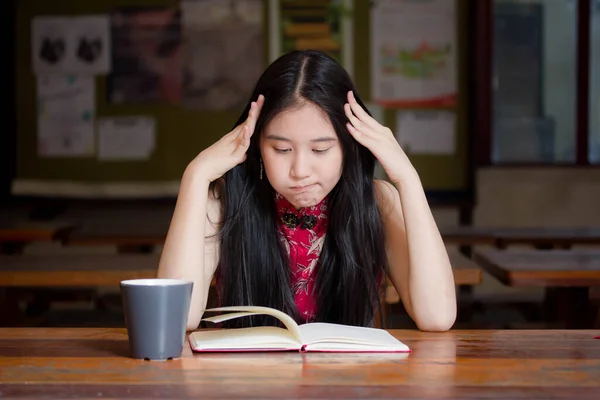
253,267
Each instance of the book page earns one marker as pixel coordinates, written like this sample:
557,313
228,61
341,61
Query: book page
256,338
243,311
323,336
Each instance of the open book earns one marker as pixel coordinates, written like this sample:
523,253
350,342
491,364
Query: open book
309,337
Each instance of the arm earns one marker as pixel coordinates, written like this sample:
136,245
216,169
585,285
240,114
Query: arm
419,266
191,247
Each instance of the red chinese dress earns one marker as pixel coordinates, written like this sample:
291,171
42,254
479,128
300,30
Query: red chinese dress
302,234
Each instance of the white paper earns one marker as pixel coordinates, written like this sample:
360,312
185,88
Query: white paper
62,45
413,52
66,95
90,44
49,43
65,119
126,138
426,131
65,138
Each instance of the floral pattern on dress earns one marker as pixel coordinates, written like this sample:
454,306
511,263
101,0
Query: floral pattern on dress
303,246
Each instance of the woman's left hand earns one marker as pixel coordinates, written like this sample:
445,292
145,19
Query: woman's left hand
378,139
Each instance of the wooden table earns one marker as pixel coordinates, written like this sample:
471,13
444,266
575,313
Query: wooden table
468,235
569,273
75,270
45,274
129,229
539,237
68,363
549,238
15,233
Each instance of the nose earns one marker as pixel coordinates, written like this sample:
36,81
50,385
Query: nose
300,168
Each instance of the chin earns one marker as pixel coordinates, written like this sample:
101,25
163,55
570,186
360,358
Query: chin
303,202
300,201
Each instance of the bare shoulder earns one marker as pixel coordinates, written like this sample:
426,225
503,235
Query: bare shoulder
387,196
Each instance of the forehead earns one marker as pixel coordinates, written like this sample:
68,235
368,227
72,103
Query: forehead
304,122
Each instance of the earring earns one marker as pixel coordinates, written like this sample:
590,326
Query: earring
261,168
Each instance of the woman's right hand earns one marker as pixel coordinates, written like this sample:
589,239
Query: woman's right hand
231,149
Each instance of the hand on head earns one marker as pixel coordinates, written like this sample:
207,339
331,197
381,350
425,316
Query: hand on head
231,149
379,139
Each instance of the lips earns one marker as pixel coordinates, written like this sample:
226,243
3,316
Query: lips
302,188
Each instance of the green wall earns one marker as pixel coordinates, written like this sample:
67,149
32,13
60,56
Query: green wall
183,133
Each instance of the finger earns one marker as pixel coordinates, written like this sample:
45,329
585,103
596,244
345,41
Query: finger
356,123
360,113
358,135
254,112
235,132
243,141
260,101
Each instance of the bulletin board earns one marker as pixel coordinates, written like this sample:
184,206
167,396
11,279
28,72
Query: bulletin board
181,133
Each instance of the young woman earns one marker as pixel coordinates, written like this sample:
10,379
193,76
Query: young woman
285,212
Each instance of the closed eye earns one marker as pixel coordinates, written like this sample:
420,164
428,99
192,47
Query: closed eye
281,150
321,151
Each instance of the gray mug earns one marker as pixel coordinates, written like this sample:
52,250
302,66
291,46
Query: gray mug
156,312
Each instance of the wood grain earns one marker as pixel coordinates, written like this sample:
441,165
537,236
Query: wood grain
85,362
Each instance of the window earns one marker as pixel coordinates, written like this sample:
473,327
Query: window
537,91
534,81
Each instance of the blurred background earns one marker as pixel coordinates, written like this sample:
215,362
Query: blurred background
496,102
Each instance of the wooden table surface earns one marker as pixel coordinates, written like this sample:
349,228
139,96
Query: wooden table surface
69,270
501,237
17,232
567,276
566,268
84,362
